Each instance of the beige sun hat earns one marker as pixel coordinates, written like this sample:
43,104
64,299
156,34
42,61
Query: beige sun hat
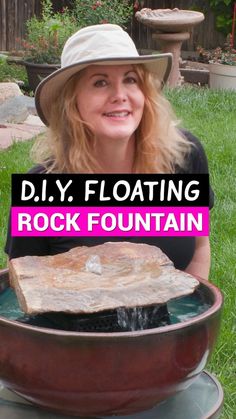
99,44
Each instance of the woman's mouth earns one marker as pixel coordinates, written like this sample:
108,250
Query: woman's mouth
117,114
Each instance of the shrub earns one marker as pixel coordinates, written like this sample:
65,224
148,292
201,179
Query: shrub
11,72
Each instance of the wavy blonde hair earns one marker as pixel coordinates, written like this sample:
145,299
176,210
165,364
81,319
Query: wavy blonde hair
69,144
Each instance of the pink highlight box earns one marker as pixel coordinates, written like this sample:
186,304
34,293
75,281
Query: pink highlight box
110,221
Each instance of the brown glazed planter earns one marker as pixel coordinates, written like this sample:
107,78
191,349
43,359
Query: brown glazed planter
92,374
37,72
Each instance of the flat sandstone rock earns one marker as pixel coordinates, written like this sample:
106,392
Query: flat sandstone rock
93,279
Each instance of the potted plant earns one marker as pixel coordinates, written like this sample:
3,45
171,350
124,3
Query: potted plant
45,37
222,65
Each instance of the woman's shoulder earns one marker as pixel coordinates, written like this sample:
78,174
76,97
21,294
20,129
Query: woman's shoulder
193,140
196,159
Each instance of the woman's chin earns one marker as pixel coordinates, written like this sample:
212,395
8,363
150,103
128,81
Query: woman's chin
113,135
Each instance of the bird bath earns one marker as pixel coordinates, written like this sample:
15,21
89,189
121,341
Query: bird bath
171,27
101,374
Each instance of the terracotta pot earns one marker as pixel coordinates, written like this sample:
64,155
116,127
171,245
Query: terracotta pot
222,76
92,374
37,72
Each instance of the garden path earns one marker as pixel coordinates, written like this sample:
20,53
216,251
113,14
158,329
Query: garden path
10,132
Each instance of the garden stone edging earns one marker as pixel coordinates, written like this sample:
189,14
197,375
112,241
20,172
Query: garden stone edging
16,109
9,90
14,106
18,119
195,72
195,76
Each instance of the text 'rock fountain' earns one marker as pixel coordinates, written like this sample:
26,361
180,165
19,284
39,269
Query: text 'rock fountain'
171,27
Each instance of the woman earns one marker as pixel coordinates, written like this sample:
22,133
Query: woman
106,114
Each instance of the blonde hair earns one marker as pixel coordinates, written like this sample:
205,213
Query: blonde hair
69,144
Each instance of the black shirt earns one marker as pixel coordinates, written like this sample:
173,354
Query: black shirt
179,249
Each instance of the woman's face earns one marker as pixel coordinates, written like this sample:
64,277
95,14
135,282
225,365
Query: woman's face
110,100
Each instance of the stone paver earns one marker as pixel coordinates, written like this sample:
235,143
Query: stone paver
10,133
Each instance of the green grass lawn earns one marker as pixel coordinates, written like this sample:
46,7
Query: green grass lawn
211,116
13,160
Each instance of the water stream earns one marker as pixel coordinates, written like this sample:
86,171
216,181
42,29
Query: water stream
138,318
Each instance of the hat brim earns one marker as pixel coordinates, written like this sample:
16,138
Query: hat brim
50,87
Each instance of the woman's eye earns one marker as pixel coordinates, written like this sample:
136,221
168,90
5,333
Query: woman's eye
131,80
100,83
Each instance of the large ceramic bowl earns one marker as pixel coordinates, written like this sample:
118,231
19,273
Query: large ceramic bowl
92,374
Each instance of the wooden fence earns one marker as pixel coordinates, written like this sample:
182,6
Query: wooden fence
14,13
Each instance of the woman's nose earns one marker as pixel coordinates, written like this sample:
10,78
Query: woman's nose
118,93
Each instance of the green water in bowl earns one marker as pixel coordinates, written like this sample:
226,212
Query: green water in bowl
185,308
9,307
180,309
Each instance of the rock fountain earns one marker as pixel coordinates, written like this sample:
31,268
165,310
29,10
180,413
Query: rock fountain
90,374
170,27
